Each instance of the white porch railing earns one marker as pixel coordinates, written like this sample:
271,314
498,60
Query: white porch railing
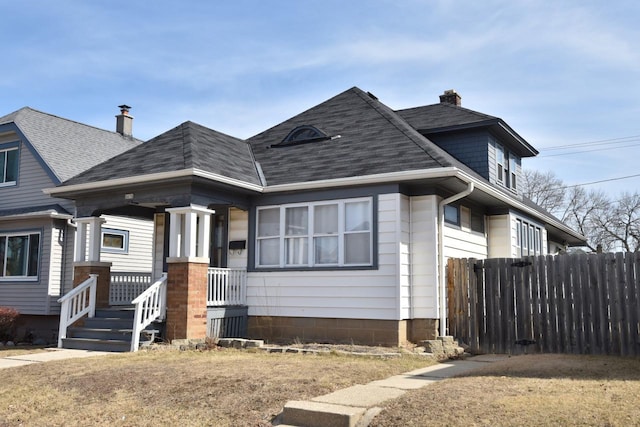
125,286
149,305
79,302
227,286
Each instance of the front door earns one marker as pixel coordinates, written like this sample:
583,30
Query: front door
219,238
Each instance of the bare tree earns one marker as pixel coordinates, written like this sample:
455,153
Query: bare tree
619,224
545,189
612,224
584,211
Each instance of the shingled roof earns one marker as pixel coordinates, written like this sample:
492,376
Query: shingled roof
187,146
67,147
444,117
364,137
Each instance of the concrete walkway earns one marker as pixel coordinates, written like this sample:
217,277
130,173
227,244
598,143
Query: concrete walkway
357,405
45,356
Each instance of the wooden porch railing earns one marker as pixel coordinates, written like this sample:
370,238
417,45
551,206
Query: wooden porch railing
79,302
125,286
150,305
227,286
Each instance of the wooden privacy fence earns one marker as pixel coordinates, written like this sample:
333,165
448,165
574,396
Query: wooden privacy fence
583,304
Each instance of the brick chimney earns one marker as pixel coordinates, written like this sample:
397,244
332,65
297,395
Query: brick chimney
451,97
124,122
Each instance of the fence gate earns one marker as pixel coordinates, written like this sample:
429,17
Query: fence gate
582,304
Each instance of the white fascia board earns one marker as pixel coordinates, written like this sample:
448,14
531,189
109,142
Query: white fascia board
366,179
141,179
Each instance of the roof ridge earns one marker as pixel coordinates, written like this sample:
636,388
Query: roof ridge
410,133
113,132
456,107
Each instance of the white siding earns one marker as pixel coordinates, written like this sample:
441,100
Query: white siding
140,254
238,230
404,251
461,243
354,294
424,257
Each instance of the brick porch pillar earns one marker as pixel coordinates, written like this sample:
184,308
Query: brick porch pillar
81,271
186,299
187,265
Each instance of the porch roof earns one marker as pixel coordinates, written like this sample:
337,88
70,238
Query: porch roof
188,146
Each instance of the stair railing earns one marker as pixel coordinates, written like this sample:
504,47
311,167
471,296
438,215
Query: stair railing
77,303
150,305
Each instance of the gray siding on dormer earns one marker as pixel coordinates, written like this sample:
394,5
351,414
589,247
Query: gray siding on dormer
32,178
471,148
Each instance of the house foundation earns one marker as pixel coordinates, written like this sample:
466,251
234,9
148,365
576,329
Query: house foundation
390,333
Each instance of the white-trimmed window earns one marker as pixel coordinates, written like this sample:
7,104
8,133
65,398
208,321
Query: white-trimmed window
115,241
19,256
8,166
528,238
334,233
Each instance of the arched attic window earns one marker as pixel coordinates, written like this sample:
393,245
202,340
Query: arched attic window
303,135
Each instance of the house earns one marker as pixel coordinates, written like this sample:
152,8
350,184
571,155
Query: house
338,221
37,151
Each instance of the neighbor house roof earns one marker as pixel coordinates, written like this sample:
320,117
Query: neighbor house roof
187,146
66,147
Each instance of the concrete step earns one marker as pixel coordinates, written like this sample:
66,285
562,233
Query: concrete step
123,312
100,333
317,414
96,344
108,323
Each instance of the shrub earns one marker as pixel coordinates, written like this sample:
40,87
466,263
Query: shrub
8,319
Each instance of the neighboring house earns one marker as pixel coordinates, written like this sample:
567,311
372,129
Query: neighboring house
37,151
342,216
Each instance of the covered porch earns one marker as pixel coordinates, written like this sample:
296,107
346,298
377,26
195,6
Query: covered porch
196,289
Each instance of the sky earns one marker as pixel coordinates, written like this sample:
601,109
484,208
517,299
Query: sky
561,73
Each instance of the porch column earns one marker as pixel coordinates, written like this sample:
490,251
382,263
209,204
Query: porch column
87,258
188,265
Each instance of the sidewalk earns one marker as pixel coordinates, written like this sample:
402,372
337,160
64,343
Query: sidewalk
46,356
357,405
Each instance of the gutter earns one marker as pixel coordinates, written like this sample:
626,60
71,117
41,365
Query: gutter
441,274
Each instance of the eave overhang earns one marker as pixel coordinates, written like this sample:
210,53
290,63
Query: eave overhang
448,177
502,130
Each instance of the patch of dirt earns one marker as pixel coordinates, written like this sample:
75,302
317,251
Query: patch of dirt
533,390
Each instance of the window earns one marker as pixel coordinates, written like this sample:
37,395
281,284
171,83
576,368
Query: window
506,167
513,168
8,166
528,238
500,164
19,256
115,241
452,214
477,222
320,234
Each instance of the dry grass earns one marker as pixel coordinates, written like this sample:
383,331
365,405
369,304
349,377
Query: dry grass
221,388
540,390
18,351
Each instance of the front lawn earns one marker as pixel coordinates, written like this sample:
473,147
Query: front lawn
218,387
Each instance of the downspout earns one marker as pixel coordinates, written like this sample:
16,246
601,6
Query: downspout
441,267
